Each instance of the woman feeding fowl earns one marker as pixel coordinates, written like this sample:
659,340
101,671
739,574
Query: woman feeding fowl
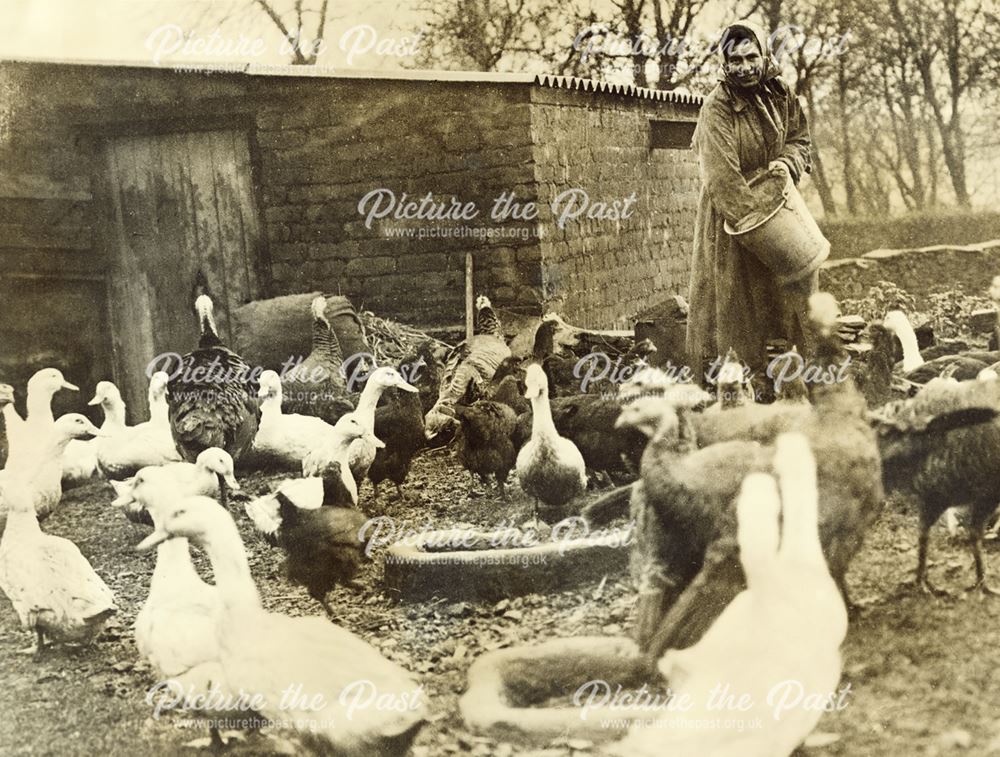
750,125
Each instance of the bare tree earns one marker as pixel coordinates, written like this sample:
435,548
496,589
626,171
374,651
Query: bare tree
493,35
954,43
644,40
301,23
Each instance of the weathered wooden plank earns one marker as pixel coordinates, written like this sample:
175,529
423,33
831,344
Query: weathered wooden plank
51,262
146,248
230,226
174,321
45,212
130,286
246,205
219,152
41,186
205,219
189,261
42,237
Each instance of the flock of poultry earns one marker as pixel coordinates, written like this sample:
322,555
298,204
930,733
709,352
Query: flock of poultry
715,535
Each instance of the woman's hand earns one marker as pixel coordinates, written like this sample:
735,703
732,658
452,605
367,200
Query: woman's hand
780,165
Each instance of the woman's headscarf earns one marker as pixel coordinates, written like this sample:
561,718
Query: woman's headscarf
766,89
741,31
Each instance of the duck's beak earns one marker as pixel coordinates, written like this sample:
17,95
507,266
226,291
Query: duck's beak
231,482
157,537
124,496
406,387
379,444
67,385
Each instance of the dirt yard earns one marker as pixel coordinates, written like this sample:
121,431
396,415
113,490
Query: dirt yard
922,670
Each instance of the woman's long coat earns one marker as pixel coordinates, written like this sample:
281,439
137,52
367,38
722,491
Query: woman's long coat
734,299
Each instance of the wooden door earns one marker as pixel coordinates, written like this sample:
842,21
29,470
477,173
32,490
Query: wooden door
177,204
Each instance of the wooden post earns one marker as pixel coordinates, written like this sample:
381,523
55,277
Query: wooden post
470,310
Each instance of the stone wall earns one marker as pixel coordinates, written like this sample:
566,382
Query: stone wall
601,273
921,271
325,144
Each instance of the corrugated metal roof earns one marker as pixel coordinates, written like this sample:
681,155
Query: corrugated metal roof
628,90
256,69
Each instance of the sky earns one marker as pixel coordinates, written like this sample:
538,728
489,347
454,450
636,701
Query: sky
148,31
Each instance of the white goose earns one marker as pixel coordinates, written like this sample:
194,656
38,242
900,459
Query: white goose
129,448
80,459
42,387
38,463
362,451
284,439
53,587
264,653
175,629
332,485
549,467
781,633
204,476
964,366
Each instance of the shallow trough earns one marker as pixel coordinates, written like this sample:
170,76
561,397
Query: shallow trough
591,688
487,566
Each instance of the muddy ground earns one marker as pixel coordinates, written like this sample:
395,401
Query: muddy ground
922,671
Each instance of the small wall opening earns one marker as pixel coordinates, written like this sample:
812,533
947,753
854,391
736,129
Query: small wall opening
670,135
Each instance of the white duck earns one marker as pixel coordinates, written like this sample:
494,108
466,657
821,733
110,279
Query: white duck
362,451
265,654
204,476
284,439
38,464
129,448
42,387
53,587
9,412
787,626
175,629
80,459
333,485
915,369
549,467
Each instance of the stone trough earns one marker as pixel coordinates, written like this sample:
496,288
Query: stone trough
471,565
510,691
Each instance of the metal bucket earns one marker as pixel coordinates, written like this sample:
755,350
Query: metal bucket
786,239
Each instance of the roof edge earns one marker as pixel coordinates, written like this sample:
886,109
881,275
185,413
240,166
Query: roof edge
551,81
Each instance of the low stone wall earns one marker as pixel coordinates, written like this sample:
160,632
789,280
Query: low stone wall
920,271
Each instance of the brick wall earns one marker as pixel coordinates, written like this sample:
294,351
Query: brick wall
601,273
324,144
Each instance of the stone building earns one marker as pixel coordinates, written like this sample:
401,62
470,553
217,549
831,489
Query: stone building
118,183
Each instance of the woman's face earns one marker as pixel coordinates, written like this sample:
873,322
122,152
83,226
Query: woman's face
745,64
